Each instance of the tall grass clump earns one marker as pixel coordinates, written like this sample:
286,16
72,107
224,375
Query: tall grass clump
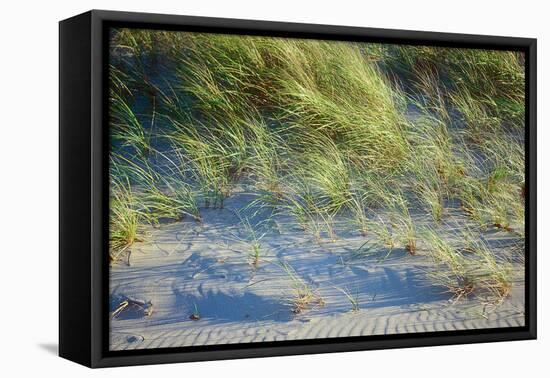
332,89
493,191
253,238
162,191
302,297
124,219
405,225
486,86
438,164
326,171
489,85
211,166
469,269
359,208
329,89
126,128
310,210
352,298
142,55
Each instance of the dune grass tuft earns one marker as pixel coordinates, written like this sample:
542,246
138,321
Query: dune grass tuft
303,297
472,268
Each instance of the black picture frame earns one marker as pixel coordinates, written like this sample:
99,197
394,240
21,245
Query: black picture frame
83,195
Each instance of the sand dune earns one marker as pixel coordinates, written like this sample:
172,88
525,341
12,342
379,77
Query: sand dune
187,268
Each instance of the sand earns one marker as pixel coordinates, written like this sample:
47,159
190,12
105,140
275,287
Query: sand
185,268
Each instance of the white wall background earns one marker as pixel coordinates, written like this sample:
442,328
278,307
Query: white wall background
29,189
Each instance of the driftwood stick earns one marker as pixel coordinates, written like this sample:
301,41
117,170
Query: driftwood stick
128,303
121,251
121,307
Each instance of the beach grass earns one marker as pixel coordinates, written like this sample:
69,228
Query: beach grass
125,218
321,131
301,296
352,298
470,267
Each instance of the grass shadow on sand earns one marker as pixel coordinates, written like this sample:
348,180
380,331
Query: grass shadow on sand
223,307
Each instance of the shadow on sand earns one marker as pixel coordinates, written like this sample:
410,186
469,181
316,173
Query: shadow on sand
224,307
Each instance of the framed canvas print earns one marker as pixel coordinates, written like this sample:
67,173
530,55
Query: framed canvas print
234,188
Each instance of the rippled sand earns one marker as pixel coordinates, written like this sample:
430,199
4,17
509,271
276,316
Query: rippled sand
185,268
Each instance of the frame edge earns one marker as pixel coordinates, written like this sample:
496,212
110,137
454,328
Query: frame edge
74,194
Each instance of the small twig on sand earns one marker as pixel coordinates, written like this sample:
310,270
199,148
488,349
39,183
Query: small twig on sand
146,307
